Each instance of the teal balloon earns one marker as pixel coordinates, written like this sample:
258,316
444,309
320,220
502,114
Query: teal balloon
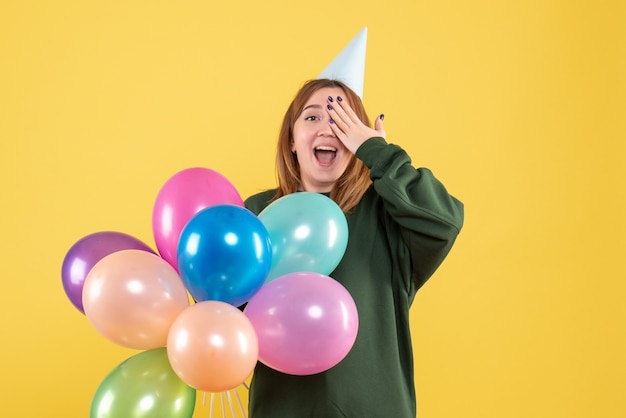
144,386
308,233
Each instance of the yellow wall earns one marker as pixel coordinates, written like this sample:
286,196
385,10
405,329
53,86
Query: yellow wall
519,107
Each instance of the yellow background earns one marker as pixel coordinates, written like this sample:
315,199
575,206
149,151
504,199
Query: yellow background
519,107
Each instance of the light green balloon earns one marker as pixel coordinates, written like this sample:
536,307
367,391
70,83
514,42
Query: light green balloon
308,232
144,386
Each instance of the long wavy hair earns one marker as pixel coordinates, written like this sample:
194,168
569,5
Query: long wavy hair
355,180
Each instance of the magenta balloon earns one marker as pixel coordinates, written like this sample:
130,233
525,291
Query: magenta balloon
85,253
306,323
181,197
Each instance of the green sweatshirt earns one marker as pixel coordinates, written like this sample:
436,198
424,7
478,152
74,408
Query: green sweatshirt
399,234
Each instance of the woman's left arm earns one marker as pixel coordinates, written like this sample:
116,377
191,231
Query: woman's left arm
429,219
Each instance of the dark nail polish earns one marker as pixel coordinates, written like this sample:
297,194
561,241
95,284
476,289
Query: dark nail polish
329,107
330,99
382,116
339,99
331,121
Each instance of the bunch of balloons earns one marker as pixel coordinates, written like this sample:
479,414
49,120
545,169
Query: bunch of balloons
183,305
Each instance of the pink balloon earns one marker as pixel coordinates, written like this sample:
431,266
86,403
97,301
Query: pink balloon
212,346
181,197
306,322
132,297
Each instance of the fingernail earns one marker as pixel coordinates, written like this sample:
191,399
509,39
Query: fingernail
329,107
339,99
330,99
331,121
382,116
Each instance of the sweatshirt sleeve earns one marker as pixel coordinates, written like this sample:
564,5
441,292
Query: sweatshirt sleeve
417,204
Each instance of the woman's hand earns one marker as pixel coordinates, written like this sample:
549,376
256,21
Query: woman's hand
348,127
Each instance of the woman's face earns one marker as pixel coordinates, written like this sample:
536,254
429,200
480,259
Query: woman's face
321,156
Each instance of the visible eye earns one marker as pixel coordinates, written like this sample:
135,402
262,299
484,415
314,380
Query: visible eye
311,118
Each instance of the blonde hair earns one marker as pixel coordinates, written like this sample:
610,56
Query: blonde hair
355,180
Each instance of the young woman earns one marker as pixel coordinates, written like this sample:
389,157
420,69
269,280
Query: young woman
402,223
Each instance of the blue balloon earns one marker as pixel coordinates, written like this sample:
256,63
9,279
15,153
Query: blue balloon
224,253
308,232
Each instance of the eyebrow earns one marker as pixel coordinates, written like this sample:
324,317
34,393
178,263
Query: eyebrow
312,105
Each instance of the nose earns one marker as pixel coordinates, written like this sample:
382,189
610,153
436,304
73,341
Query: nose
325,130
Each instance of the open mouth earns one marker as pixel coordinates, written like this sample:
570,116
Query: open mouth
325,154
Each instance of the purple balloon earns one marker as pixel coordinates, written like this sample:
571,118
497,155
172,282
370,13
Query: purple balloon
305,322
86,252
